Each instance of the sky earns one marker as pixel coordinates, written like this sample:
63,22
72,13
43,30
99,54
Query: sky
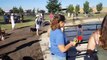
41,4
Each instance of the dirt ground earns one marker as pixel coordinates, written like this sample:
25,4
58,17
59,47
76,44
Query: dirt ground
21,44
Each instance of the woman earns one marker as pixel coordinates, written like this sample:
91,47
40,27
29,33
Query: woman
58,40
99,40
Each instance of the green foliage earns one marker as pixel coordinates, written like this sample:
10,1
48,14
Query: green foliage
99,7
77,9
70,9
86,7
21,10
15,10
53,6
1,11
33,11
90,10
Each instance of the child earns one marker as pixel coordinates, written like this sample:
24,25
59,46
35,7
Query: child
79,33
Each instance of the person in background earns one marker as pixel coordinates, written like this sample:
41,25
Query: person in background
58,40
41,19
6,18
79,33
98,40
12,21
37,21
51,15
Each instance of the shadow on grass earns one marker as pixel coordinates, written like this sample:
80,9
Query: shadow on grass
4,46
22,27
27,58
2,22
23,21
27,20
22,46
6,57
42,32
38,55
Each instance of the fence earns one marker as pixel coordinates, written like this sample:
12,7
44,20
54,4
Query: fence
70,32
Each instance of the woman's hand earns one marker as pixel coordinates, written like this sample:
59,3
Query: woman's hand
64,48
73,43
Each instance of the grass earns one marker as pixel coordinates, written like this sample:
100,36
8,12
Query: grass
1,18
46,17
29,20
18,25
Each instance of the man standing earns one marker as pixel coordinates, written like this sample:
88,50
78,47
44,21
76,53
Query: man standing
12,21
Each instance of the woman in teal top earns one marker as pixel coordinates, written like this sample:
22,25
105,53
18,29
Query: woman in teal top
98,40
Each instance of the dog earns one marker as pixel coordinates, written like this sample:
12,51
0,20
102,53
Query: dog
2,34
33,29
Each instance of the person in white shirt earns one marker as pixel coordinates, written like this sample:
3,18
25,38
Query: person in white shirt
12,21
37,21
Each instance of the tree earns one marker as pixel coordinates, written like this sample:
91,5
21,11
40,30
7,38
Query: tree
33,11
86,7
70,9
53,6
99,7
15,10
21,10
42,11
77,9
1,11
90,10
29,12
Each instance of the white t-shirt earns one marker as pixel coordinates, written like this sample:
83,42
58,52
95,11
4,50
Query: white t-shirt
37,25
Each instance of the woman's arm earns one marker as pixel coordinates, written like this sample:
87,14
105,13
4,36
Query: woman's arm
91,43
61,40
63,48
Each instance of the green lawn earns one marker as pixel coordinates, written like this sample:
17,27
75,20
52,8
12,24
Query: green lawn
30,20
1,18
